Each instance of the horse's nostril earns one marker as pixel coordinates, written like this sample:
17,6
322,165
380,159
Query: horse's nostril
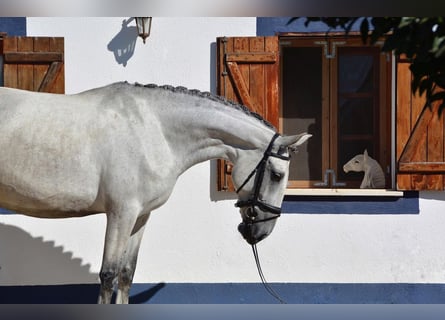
251,212
241,228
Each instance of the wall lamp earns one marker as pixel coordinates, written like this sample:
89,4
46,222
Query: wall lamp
143,25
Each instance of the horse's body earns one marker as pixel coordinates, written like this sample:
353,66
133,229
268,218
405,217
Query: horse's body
119,150
374,177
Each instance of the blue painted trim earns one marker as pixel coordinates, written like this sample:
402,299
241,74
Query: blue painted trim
270,26
235,293
408,204
13,26
5,211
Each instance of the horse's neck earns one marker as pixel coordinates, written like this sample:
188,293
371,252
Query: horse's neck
374,173
373,167
204,133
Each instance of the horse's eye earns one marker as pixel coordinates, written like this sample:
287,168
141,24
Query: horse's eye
275,176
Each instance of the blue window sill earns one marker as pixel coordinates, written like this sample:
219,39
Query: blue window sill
408,203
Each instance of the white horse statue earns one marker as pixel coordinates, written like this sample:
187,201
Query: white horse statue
119,150
374,177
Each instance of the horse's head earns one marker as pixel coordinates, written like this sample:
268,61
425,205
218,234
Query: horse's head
261,184
357,164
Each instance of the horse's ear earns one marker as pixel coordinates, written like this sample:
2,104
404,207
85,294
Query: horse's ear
292,142
365,156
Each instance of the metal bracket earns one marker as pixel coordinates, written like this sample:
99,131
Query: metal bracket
326,49
325,183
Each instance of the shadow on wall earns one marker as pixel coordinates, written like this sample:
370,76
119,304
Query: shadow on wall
124,43
24,259
36,271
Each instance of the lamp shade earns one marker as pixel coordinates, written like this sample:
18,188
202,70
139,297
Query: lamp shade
144,25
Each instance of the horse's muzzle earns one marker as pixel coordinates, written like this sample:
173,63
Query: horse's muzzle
246,230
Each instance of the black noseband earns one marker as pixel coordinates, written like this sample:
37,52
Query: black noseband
254,201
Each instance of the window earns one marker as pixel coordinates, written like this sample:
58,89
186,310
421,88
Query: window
251,71
336,89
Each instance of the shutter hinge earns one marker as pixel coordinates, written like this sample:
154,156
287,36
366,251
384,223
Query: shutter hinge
228,168
227,171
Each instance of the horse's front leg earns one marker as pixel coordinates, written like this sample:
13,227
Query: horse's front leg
130,259
120,223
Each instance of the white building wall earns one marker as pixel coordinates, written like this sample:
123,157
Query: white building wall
193,238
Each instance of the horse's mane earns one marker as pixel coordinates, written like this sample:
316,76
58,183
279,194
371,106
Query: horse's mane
209,96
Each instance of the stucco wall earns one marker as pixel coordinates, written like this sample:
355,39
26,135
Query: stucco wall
193,238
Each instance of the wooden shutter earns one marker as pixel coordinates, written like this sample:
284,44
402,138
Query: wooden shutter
419,138
247,72
34,63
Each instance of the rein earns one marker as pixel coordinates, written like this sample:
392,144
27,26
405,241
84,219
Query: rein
256,201
268,288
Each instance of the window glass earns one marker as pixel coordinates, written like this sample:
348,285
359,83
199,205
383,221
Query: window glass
302,98
355,73
357,107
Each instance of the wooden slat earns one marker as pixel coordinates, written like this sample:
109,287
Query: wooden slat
241,86
403,116
257,79
242,45
435,151
419,180
272,80
10,71
57,44
40,70
427,167
25,74
268,57
50,77
32,57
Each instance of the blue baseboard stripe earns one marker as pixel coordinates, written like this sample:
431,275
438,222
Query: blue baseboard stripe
234,293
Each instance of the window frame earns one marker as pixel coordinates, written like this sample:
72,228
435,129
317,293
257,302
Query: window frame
330,98
2,35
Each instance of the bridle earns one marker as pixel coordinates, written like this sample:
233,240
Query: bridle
254,200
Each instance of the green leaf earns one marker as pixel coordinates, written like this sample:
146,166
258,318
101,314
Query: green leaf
406,21
364,30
